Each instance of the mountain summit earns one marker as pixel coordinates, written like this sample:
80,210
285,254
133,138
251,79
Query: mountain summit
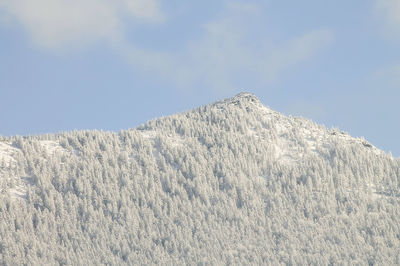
243,97
232,182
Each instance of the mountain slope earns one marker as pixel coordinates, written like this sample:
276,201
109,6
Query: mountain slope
230,182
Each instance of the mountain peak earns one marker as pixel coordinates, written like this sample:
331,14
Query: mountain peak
245,96
226,170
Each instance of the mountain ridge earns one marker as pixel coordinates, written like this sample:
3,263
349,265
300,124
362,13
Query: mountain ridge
229,182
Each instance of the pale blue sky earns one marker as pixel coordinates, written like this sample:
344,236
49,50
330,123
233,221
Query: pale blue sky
107,64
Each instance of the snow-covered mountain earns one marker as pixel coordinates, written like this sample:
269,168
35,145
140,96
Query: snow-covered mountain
233,182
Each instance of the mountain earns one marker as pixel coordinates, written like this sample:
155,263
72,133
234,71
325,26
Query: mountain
232,182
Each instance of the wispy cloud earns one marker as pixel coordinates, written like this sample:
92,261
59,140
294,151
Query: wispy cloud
234,50
57,24
386,80
389,11
227,51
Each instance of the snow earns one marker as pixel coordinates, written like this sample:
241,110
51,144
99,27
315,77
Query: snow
314,139
310,140
7,163
6,154
173,140
18,184
148,134
264,178
375,194
51,147
18,191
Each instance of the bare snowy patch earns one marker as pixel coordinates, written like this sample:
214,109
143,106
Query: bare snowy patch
6,154
51,147
10,178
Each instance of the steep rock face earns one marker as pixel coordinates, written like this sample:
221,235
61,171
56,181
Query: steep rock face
230,182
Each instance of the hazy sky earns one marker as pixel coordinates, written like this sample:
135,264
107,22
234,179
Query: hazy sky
113,64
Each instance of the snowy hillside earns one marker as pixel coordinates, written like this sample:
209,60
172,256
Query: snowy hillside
230,182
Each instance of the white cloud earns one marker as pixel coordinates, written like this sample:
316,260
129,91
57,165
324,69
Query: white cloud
144,9
235,50
295,51
389,10
60,23
227,52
